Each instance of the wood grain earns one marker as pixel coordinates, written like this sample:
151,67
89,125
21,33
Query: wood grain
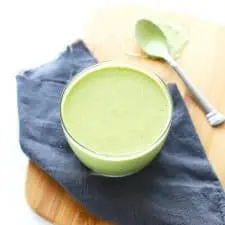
109,35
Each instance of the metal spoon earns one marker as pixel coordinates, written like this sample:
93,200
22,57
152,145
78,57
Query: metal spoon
153,42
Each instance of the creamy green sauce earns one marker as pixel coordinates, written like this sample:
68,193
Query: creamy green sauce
177,38
115,110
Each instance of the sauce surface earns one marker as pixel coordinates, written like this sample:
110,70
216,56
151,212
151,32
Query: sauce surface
115,110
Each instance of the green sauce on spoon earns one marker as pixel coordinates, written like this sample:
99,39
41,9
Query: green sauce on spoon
159,39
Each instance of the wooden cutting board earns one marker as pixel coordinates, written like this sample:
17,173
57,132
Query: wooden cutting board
109,35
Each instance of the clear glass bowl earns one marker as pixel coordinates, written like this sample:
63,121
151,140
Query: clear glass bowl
122,165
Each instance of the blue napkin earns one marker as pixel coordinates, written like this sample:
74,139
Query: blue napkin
179,187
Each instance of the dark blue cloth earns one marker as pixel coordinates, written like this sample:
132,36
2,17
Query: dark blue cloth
179,187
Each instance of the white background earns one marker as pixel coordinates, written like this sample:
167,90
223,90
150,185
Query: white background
31,33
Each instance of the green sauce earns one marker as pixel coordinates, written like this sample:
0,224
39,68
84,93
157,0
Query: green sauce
115,110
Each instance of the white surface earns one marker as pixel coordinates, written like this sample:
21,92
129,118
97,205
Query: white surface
33,32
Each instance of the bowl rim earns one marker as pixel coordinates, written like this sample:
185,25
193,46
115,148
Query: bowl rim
107,64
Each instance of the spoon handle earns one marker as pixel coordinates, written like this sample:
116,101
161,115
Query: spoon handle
215,118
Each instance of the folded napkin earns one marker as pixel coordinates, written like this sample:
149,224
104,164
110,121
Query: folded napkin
178,187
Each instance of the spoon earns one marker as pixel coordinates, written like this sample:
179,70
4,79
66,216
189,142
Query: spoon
153,42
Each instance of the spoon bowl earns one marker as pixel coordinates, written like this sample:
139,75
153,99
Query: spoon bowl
151,39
